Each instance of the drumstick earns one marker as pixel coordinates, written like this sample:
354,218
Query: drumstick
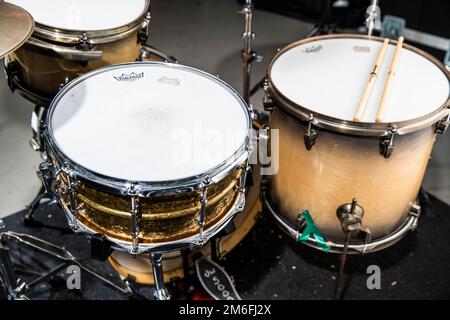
373,77
390,79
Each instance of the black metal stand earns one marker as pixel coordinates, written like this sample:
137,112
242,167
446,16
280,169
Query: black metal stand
16,288
28,220
323,27
342,260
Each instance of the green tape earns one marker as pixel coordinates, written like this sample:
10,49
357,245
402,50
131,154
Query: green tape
312,230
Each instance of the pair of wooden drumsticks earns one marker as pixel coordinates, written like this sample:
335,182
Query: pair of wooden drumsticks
387,86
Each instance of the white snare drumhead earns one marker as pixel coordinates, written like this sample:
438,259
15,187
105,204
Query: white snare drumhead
149,122
328,76
83,15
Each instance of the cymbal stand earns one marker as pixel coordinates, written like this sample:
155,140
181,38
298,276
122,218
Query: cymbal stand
320,28
248,55
373,17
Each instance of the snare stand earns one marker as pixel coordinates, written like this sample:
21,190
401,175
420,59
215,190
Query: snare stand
160,292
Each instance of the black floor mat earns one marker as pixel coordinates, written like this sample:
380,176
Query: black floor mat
269,265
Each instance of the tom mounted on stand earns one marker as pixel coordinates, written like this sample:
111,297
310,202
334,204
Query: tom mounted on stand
345,185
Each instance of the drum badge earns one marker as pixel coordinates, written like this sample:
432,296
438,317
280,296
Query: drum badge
313,49
130,77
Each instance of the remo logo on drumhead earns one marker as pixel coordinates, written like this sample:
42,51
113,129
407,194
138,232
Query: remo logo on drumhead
130,77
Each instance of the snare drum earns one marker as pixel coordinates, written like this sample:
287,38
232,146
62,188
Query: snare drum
135,153
326,159
72,38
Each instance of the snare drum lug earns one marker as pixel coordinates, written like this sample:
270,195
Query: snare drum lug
134,219
202,197
387,143
74,207
243,180
144,32
310,135
442,125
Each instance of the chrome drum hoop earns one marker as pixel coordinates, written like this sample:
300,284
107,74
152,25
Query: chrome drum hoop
350,127
145,188
70,37
410,223
166,247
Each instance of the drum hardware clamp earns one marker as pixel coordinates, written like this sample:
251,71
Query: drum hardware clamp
49,174
144,32
415,212
38,126
12,71
84,50
373,16
387,142
350,216
84,43
268,102
442,125
310,135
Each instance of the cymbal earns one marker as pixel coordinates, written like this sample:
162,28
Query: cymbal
16,26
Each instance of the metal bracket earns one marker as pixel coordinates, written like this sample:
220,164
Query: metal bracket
202,197
350,215
12,69
71,186
387,143
393,27
415,212
442,125
145,29
134,215
311,133
84,43
268,103
373,17
48,178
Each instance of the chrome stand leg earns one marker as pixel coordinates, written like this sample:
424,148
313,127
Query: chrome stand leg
248,55
161,292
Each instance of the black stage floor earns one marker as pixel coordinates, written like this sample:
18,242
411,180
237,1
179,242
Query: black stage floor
268,265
